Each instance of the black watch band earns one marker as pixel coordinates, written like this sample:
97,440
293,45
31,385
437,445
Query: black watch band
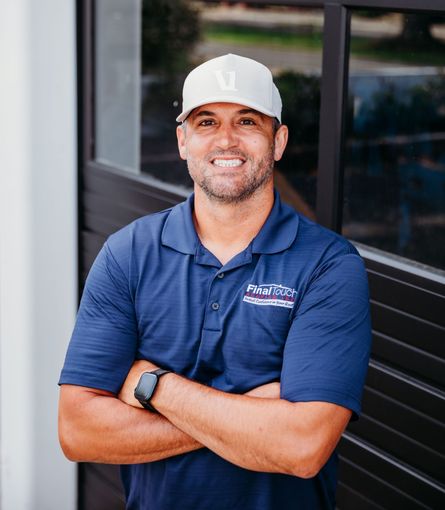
139,391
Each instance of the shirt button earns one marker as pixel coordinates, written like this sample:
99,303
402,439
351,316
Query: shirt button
215,306
220,275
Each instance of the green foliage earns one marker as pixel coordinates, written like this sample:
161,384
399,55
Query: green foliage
388,49
170,29
416,31
259,36
374,13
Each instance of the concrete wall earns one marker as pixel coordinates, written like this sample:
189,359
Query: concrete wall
37,246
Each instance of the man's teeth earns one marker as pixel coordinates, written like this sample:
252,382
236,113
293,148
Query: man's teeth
227,162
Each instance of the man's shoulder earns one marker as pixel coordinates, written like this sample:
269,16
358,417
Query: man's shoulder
316,249
315,238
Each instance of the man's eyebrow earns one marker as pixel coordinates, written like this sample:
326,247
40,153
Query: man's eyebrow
244,111
204,113
250,111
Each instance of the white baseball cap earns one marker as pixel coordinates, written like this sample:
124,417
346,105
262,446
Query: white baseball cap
231,79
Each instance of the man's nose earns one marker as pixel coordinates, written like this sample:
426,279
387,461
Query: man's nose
227,137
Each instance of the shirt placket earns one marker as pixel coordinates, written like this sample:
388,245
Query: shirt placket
210,361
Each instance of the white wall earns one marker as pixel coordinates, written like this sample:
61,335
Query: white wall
37,246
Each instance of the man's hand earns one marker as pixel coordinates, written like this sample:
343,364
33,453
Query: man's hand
269,390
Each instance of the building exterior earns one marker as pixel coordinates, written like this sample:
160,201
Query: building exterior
90,93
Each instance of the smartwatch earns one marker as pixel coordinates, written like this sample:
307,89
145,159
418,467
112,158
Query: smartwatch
146,387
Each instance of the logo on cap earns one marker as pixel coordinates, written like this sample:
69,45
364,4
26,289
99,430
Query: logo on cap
223,84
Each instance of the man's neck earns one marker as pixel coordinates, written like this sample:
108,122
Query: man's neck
227,229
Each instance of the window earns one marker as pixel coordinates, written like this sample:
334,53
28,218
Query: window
145,49
117,83
394,185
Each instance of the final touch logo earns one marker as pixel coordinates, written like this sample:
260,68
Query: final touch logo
272,294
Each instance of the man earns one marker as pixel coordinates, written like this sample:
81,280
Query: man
254,320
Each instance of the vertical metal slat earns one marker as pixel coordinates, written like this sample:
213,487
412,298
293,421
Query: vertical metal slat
333,104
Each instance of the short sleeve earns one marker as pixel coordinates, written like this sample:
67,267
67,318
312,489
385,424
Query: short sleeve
104,341
327,350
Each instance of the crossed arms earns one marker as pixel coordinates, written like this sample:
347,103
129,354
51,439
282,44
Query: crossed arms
257,430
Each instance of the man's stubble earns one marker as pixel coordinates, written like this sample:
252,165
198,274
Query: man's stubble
229,190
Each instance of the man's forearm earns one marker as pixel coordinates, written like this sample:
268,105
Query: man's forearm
100,428
261,434
94,426
253,433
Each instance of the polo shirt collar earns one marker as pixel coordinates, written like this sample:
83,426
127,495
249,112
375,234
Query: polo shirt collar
179,230
277,234
279,230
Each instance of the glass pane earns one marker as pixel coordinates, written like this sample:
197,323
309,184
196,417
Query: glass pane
179,35
394,186
117,83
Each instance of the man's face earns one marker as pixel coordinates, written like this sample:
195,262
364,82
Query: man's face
230,150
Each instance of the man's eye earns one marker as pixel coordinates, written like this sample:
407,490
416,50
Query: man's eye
207,122
247,122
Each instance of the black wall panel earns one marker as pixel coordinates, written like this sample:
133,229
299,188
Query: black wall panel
395,454
101,487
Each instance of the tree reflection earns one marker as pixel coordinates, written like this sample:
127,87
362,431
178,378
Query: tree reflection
395,172
170,30
416,32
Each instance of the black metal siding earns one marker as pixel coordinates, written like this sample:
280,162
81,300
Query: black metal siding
395,454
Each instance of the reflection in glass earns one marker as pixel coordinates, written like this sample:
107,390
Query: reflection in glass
179,35
117,79
394,186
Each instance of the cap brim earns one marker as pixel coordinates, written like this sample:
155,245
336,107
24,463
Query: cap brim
227,99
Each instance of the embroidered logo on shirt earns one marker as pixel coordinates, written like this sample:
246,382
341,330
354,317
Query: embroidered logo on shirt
271,294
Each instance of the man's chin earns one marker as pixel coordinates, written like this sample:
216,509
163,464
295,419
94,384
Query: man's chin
228,195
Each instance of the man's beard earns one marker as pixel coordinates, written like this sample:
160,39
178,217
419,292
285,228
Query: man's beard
259,174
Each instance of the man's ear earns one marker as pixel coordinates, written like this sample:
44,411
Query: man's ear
180,134
281,137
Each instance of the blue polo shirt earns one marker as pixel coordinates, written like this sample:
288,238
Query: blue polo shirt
292,307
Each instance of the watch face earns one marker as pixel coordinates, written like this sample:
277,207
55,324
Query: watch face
146,385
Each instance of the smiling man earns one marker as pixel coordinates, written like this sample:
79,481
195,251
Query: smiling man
221,346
